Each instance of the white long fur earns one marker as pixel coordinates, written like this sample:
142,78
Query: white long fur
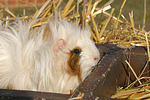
30,63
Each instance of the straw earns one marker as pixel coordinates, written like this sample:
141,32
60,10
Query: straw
111,30
133,71
144,17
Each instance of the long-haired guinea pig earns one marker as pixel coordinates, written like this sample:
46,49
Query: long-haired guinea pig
56,57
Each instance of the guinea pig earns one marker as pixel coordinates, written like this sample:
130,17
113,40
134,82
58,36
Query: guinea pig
55,57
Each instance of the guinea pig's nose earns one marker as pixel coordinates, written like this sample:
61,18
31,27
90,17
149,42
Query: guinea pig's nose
96,58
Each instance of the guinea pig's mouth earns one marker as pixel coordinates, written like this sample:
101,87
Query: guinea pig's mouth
94,65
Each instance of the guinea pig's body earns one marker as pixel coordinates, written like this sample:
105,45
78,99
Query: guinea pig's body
53,58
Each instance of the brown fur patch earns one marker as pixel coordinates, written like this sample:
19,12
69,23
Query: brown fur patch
47,33
73,62
9,86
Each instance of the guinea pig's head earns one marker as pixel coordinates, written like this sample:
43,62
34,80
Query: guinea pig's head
73,48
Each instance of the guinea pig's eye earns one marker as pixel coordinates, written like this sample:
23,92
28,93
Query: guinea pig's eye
76,51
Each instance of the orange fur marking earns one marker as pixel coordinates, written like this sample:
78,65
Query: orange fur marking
73,63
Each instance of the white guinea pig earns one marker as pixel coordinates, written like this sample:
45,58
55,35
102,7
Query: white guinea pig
55,57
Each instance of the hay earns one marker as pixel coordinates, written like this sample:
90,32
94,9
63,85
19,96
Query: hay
135,93
122,32
111,30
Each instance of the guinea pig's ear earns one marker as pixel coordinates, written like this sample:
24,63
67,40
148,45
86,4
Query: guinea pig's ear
47,34
60,44
50,30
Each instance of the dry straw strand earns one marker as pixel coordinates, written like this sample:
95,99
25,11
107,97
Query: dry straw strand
144,17
67,7
133,71
95,30
38,12
104,27
120,12
148,52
